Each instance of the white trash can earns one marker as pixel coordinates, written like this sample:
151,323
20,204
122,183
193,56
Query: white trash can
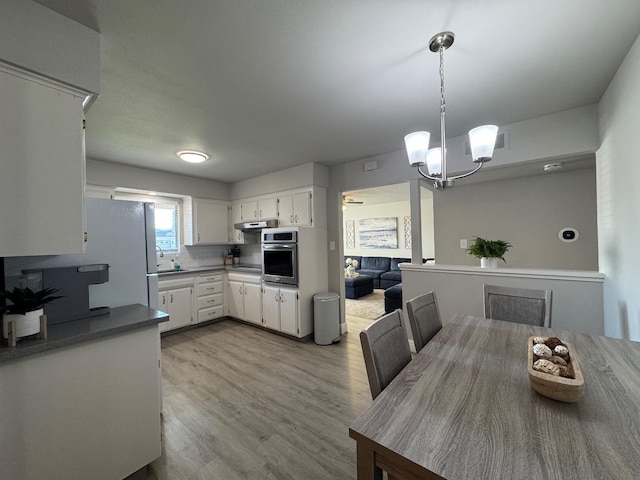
326,318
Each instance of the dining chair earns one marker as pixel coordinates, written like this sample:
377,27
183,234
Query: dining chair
519,305
424,318
386,350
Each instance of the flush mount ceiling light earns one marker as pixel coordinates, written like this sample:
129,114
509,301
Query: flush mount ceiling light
192,156
481,139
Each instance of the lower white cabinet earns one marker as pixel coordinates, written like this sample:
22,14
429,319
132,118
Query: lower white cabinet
280,309
210,296
245,297
175,297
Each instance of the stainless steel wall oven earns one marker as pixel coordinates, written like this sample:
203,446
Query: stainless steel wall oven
280,256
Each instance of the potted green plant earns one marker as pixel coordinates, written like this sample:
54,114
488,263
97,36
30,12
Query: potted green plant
26,309
489,251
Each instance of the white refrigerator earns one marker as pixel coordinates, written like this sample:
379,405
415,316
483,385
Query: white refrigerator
121,234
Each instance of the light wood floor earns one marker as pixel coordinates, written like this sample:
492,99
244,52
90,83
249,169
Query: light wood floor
243,403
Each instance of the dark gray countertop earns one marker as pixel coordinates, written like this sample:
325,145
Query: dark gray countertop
254,268
118,320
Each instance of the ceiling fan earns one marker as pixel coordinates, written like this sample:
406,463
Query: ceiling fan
349,201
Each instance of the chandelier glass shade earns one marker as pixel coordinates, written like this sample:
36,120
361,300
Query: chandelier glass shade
482,139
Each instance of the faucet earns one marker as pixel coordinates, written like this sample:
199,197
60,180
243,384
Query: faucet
161,252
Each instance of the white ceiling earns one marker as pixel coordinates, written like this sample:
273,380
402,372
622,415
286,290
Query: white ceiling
266,85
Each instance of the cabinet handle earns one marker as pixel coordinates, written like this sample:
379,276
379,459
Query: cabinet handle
240,290
255,214
296,220
245,289
198,237
260,213
172,298
164,299
276,297
291,218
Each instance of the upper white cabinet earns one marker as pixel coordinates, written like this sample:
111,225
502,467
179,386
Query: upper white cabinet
261,209
206,222
295,209
236,236
42,166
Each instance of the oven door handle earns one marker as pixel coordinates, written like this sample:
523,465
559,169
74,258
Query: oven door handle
279,246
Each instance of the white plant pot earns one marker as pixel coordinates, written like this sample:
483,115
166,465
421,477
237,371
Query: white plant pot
26,324
486,262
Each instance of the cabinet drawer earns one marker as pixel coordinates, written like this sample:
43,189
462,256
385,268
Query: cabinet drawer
210,301
209,288
210,313
209,277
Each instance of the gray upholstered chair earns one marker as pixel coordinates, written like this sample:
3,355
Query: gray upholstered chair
386,350
519,305
424,318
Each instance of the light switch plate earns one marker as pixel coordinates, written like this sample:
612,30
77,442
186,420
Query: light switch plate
463,243
332,245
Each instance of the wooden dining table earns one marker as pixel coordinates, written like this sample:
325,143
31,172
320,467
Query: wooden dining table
463,408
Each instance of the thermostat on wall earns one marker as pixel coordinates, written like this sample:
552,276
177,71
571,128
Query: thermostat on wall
568,234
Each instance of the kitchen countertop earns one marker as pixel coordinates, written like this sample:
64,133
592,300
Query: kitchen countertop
118,320
241,267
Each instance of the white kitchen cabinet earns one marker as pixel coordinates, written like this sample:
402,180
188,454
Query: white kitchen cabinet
280,309
206,221
245,297
295,209
42,166
175,297
210,296
236,236
261,209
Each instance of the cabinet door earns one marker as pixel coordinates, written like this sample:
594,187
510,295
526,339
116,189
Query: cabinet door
180,307
289,311
211,221
236,236
236,299
253,302
285,211
268,208
249,211
42,169
163,305
302,208
271,307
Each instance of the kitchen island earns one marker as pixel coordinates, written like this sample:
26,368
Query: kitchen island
85,402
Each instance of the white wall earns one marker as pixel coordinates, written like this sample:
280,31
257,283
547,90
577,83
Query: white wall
116,175
289,179
618,174
528,213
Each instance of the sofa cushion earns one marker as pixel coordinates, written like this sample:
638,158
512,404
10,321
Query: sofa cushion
392,275
396,261
376,263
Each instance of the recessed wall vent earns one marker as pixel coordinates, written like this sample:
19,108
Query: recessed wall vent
501,143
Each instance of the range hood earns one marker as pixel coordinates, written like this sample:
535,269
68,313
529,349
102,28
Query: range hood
255,226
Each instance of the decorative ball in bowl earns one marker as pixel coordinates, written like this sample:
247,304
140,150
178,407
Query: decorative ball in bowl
554,371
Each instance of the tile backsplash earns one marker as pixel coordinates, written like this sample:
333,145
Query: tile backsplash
208,255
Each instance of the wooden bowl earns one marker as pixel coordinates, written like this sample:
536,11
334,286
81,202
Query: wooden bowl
567,390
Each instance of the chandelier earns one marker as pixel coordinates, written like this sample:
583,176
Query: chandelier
482,139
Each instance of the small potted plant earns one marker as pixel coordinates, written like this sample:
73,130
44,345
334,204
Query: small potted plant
489,251
26,309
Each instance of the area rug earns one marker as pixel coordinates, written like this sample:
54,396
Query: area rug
370,306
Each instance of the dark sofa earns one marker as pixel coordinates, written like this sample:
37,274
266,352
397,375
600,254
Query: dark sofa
384,270
394,275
